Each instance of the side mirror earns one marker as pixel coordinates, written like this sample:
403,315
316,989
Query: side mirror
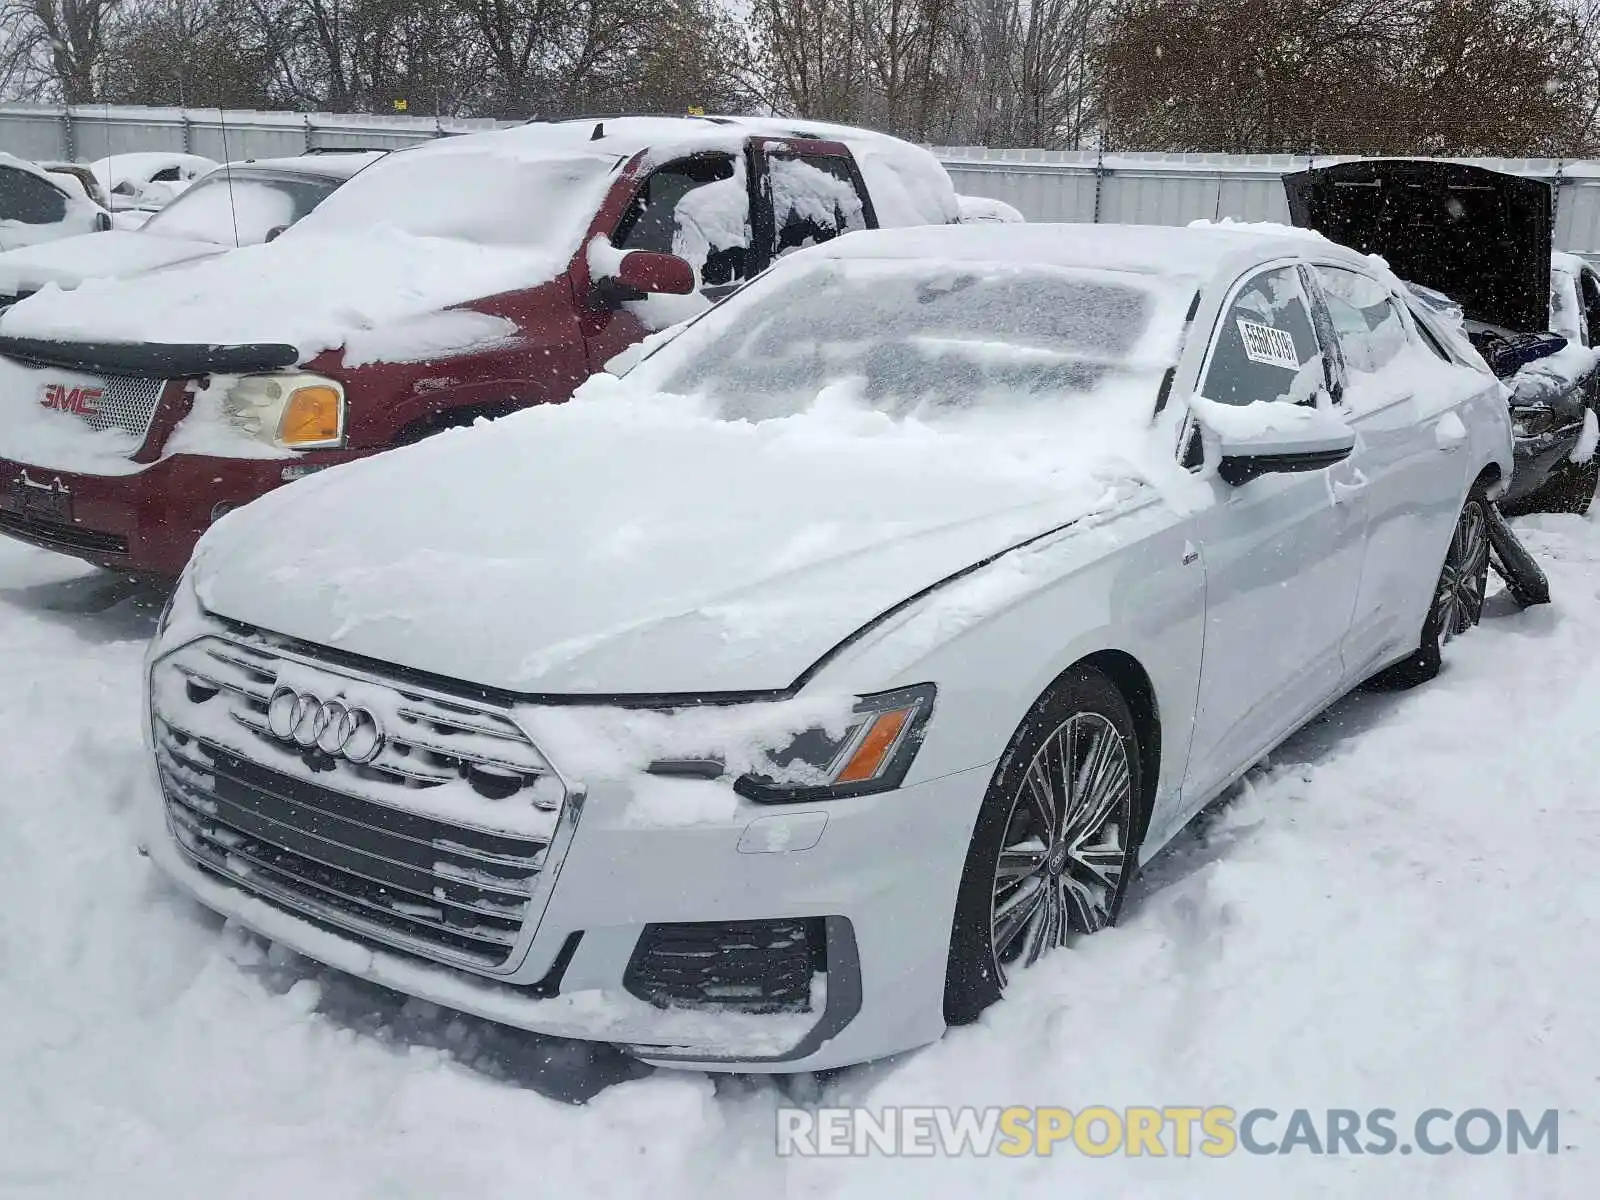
642,273
653,273
102,221
1285,438
275,232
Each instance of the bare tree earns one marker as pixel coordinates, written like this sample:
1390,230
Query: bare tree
68,36
1360,76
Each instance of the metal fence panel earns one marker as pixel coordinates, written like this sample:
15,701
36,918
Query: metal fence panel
1039,195
1045,185
35,134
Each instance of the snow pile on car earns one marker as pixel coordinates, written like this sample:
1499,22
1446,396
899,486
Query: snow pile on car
819,517
1546,379
131,175
415,233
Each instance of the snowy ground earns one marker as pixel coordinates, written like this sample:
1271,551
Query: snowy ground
1400,911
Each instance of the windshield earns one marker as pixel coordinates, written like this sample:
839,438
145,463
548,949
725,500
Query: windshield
239,209
909,338
474,195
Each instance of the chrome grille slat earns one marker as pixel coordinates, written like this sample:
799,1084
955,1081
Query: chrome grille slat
208,809
446,843
294,888
217,681
197,823
463,723
242,660
356,845
504,885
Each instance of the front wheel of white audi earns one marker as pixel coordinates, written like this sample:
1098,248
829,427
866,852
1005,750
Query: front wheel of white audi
1055,844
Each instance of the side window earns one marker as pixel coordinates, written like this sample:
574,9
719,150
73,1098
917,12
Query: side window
165,175
28,199
1591,306
1366,319
697,208
1429,339
815,197
1266,348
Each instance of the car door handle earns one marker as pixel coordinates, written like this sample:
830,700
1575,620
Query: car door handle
1343,492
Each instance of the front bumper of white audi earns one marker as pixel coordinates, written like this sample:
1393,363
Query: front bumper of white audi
669,916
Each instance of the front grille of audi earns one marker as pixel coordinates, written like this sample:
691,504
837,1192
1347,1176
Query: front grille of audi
367,842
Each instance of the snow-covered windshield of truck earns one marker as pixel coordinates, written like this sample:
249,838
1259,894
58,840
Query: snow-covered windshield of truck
480,195
240,209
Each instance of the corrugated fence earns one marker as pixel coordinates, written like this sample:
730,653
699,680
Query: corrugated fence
1159,189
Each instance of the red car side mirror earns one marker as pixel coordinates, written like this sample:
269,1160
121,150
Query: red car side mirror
653,273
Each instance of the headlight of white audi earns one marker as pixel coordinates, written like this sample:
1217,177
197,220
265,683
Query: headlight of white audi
873,755
292,410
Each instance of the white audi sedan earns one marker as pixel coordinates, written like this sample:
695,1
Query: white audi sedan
777,701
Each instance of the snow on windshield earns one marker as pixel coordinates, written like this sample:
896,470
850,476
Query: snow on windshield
909,339
474,194
239,210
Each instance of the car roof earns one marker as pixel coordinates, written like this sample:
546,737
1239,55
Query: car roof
628,135
908,185
1200,252
152,158
22,164
331,166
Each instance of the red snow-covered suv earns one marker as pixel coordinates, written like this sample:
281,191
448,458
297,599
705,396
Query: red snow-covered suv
466,278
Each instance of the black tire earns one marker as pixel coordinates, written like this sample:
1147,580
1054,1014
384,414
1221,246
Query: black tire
1457,603
1570,489
1524,578
1082,867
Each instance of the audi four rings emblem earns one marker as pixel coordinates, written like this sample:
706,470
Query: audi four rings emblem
331,726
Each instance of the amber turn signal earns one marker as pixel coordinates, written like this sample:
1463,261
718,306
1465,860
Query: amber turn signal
314,416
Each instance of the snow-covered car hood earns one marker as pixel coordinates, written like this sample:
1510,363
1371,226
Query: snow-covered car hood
114,254
579,550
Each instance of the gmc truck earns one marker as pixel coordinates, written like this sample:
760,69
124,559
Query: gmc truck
462,279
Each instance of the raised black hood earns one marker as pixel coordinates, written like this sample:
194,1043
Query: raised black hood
1481,237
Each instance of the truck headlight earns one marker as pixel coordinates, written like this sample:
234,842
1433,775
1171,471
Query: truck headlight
295,411
873,755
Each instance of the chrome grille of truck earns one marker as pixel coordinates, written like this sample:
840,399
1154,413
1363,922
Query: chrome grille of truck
125,404
369,847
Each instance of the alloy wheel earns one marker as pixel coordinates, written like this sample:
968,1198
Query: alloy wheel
1458,600
1066,843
